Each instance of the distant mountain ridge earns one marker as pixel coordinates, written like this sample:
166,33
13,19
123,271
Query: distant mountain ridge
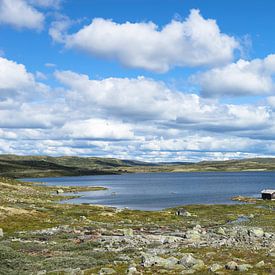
47,166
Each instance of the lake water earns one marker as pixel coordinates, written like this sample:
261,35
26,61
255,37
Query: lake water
154,191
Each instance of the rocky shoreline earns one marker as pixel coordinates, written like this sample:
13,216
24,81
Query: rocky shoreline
40,236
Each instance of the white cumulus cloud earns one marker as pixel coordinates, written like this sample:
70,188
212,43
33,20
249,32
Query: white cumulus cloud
239,79
20,14
193,42
98,129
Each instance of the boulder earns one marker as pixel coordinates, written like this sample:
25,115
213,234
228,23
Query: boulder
183,212
215,267
231,265
256,232
260,264
59,191
148,260
193,234
132,270
151,260
189,261
1,233
221,231
244,267
268,235
170,262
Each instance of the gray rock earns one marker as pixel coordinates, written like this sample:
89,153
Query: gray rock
231,265
215,267
128,232
132,270
183,212
268,235
170,262
148,260
151,260
189,261
244,267
106,270
221,231
1,233
193,235
59,191
260,264
256,232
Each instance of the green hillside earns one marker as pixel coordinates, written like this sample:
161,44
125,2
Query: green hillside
45,166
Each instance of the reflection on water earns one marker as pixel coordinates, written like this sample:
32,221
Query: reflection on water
161,190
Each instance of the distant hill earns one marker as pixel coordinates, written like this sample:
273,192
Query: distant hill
45,166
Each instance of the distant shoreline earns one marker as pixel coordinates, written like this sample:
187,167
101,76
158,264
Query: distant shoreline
46,166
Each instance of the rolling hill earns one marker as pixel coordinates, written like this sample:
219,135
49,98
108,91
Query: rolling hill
46,166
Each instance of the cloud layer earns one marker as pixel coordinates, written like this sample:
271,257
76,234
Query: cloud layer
125,117
137,117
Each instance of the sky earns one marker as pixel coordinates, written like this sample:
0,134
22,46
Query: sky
170,80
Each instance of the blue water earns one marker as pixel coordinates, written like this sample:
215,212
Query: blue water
162,190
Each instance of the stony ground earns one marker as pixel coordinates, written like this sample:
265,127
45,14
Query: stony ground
41,236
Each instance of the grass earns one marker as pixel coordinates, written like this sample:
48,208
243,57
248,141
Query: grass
45,166
27,207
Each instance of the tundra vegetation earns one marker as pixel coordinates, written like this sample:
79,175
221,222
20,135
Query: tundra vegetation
39,235
45,166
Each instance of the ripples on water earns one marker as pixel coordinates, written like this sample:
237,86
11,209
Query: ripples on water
154,191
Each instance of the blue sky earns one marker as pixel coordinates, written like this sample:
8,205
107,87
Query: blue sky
151,80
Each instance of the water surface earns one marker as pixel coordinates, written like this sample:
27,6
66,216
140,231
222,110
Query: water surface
154,191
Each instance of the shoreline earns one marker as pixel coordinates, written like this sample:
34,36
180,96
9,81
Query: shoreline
43,235
146,172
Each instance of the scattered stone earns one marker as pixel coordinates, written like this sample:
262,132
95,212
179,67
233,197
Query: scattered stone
244,267
170,262
231,265
260,264
267,235
128,232
150,260
59,191
190,271
106,270
189,261
132,270
193,234
215,267
183,212
221,231
256,232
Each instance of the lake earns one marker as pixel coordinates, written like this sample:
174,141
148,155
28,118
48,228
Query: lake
155,191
